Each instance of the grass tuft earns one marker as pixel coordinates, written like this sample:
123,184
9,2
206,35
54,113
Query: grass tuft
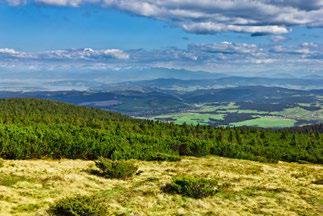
26,208
10,180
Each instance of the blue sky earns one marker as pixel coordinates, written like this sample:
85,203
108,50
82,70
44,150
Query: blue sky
216,36
35,27
41,27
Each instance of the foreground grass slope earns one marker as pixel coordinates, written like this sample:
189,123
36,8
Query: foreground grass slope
31,129
30,187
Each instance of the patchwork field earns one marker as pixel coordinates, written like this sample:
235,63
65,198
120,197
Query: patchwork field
246,188
222,114
191,118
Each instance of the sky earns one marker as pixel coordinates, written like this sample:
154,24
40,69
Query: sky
225,36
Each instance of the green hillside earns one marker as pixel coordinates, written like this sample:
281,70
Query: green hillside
33,128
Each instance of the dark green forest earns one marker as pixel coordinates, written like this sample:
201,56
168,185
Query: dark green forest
34,128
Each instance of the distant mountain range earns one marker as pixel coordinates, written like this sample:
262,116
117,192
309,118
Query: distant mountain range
158,100
165,99
223,82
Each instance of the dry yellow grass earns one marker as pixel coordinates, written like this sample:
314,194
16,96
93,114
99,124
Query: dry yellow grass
30,187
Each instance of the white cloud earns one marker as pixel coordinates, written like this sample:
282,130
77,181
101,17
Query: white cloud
12,53
211,16
16,2
71,3
70,54
219,57
278,38
7,51
304,50
116,53
211,27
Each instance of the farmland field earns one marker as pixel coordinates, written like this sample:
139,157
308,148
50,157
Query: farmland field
222,114
301,113
191,118
266,122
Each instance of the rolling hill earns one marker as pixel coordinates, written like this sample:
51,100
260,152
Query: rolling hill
257,106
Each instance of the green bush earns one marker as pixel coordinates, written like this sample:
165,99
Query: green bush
116,169
78,206
192,187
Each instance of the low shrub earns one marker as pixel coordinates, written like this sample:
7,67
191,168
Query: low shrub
192,187
78,206
119,169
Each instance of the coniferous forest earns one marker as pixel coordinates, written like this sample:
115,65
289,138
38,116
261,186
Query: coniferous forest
33,128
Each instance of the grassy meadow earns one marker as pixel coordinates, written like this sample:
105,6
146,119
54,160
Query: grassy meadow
267,122
30,187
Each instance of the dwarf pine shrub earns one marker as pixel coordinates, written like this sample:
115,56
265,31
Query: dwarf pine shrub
78,206
119,169
192,187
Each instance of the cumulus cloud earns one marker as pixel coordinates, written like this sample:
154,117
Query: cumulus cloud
7,51
12,53
84,54
304,50
69,54
71,3
220,57
16,2
278,38
226,48
212,16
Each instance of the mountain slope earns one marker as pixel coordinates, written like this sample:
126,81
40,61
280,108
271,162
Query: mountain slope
33,128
